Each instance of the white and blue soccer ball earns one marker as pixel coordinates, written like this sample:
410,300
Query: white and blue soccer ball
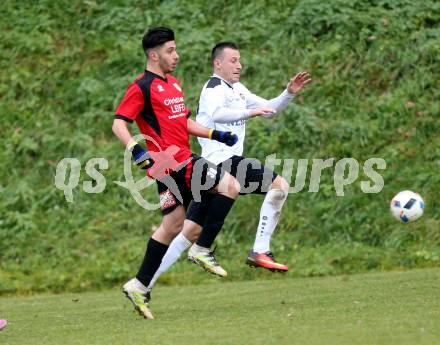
407,206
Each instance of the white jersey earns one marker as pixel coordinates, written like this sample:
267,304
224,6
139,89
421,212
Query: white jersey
226,107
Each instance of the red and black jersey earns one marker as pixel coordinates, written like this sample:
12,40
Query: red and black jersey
157,106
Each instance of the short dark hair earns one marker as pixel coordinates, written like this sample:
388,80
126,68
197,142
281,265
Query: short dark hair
219,47
156,37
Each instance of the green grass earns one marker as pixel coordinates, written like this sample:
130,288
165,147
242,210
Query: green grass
65,65
377,308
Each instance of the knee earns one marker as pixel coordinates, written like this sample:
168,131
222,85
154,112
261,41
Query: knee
232,186
192,236
173,228
191,230
281,184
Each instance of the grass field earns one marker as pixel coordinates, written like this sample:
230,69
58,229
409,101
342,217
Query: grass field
376,308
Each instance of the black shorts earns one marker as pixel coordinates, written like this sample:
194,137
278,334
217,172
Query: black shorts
251,174
190,182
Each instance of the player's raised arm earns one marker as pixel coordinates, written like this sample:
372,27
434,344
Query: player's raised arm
295,85
226,115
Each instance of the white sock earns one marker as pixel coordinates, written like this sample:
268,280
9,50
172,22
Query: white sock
195,248
177,247
135,284
139,285
269,215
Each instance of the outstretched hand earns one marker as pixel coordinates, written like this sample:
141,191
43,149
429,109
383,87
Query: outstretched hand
263,111
298,82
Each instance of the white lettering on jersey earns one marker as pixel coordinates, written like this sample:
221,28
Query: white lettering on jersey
237,123
170,117
169,101
177,107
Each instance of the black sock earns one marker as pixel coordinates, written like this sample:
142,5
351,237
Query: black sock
218,210
152,260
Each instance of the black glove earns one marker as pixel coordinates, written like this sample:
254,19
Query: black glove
141,157
227,138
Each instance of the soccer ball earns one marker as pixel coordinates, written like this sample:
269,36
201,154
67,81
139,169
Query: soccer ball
407,206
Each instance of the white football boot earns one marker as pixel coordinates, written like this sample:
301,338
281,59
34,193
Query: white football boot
205,258
139,295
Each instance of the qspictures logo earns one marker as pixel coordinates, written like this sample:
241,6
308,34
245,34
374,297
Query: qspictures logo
346,171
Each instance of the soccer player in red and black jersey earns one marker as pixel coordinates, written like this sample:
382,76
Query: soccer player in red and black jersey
156,103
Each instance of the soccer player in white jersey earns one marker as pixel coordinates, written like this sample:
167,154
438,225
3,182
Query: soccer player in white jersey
226,104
